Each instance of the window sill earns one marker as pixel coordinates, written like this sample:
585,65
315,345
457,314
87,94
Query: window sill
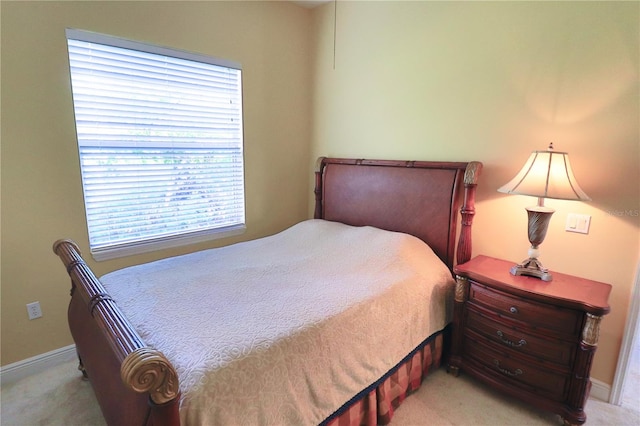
131,249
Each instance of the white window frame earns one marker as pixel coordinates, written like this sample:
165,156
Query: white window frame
130,246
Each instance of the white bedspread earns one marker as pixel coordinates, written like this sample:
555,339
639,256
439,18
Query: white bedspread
287,328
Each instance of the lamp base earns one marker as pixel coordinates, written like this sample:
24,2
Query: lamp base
532,267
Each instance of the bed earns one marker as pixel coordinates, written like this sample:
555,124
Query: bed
332,321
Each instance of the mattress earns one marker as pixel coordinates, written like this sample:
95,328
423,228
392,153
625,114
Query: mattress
287,328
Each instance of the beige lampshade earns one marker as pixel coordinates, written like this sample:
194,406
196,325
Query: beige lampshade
546,174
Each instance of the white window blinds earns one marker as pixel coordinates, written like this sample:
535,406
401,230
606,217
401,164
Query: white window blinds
160,141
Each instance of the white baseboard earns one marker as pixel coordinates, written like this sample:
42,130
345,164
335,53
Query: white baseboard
19,370
600,390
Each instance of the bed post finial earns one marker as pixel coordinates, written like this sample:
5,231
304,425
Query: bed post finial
317,214
468,210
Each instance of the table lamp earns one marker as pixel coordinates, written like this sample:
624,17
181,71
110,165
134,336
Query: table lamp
546,174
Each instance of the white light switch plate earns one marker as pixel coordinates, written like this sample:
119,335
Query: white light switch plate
578,223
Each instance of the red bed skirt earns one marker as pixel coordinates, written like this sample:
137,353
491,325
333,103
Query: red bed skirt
376,404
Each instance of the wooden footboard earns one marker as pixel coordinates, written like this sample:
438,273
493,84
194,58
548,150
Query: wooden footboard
134,384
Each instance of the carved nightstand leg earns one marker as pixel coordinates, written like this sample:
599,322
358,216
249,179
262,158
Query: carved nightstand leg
454,371
566,422
461,296
581,382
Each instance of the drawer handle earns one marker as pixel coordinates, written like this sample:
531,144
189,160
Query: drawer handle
511,343
505,371
513,310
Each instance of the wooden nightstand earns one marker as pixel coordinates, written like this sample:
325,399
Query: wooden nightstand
532,339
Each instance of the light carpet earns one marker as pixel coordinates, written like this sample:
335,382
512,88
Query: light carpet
59,396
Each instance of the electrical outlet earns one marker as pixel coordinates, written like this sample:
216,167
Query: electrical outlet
34,311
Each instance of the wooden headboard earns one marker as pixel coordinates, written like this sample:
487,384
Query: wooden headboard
420,198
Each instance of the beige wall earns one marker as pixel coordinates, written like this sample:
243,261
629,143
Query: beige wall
41,191
412,80
492,81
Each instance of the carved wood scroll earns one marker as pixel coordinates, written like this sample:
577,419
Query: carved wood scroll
143,369
147,370
591,330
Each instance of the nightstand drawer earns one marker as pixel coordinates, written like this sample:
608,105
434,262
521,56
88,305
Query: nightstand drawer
505,336
517,372
530,314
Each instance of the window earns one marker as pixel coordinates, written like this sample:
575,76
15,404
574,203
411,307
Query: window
160,141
